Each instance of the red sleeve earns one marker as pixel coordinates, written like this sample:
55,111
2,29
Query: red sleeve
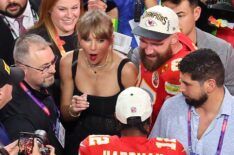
180,149
84,147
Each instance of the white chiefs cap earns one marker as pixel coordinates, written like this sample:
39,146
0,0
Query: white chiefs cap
133,102
158,23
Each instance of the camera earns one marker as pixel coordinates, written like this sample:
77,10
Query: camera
26,142
42,141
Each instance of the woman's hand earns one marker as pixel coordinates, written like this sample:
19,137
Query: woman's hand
79,103
97,4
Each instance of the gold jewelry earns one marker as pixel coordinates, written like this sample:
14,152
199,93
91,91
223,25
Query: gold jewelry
72,114
97,66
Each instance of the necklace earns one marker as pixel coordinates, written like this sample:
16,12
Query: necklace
92,67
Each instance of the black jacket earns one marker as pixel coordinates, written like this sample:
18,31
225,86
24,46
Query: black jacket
7,41
23,114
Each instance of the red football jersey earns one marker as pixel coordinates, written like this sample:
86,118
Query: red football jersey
164,82
113,145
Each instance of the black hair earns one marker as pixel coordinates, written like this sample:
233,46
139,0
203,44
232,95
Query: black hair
135,123
193,3
203,64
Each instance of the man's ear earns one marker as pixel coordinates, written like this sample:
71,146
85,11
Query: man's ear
174,39
147,125
197,12
24,68
210,85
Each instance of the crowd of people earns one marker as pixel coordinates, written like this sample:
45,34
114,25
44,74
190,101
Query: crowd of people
63,83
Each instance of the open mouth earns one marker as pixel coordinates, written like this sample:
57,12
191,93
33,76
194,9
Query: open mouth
151,58
93,57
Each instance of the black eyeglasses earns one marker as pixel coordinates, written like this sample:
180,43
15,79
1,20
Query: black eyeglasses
44,69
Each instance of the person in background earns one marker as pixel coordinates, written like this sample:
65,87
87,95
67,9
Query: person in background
161,48
9,75
133,111
56,25
222,19
125,13
201,117
91,80
15,17
108,6
189,11
32,107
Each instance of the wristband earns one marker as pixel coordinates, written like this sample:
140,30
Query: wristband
72,114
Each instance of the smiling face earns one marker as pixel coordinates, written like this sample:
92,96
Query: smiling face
154,53
65,15
13,8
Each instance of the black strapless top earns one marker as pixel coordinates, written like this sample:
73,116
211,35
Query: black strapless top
99,117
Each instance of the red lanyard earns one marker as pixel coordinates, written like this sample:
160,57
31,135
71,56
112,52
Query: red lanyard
220,144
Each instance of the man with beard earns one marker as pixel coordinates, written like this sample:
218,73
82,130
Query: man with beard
32,107
189,12
202,116
15,17
161,48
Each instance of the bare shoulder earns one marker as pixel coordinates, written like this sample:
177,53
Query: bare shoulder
65,65
119,55
129,67
129,72
66,59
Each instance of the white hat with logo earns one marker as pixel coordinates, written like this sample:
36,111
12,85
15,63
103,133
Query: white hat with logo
133,102
158,23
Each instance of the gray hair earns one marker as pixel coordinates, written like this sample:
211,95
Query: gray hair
23,44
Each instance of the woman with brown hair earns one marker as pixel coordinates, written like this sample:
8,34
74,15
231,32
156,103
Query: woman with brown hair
57,23
91,79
